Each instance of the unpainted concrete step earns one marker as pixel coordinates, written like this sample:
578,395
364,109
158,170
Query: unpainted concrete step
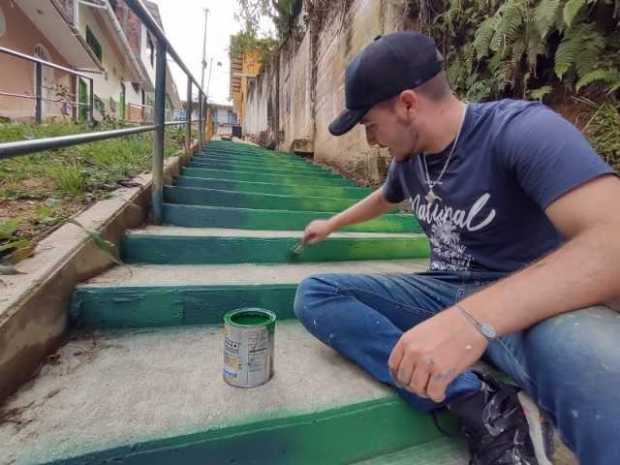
158,396
311,190
138,296
174,245
201,216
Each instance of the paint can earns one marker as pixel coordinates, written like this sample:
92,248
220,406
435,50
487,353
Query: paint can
249,346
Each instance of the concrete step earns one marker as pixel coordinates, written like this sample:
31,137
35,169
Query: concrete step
158,397
224,198
309,190
138,296
281,220
170,245
257,176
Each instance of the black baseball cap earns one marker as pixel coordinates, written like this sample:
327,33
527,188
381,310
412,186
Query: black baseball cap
390,64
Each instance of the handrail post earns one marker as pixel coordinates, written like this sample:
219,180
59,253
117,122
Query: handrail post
39,93
159,136
91,101
201,127
188,130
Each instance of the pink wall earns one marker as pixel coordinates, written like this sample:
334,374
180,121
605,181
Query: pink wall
17,76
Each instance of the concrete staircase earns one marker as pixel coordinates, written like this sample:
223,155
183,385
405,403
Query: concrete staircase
140,381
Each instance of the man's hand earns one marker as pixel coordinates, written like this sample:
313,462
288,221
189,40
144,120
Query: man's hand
429,356
317,231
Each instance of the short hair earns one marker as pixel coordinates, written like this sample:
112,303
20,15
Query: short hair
436,88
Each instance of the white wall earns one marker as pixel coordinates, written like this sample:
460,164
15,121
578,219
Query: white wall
107,85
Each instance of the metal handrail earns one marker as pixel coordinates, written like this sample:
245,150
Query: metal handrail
164,48
49,64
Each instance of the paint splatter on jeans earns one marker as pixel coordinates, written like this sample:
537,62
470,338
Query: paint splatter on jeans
569,364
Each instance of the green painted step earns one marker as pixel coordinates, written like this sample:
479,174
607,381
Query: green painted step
441,451
345,435
146,306
269,188
257,161
254,157
256,176
221,198
268,157
195,216
192,250
271,167
149,397
262,168
147,295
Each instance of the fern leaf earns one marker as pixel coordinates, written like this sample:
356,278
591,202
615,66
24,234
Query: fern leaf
510,18
540,93
572,9
546,15
589,54
484,34
580,50
608,76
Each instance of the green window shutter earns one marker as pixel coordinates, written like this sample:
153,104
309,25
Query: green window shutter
93,43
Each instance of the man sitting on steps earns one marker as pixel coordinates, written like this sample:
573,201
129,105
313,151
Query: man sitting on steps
524,227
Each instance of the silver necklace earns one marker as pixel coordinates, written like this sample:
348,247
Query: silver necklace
431,196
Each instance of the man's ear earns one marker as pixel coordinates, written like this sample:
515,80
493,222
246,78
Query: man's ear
408,102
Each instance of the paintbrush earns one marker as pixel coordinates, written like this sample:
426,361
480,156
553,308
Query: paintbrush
297,249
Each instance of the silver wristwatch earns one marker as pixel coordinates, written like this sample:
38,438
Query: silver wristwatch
486,329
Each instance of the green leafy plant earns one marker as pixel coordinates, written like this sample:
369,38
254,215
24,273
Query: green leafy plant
525,48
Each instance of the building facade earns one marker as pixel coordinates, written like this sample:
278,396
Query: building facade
45,29
103,39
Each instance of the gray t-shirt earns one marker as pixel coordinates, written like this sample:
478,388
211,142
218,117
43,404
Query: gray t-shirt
512,160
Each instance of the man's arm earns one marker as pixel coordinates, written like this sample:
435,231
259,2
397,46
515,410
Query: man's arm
366,209
584,271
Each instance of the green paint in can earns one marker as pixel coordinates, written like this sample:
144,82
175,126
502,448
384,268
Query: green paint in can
249,346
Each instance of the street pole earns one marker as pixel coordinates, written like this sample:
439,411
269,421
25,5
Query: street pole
209,79
204,50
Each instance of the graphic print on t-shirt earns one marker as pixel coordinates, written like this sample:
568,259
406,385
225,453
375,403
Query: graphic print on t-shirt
446,224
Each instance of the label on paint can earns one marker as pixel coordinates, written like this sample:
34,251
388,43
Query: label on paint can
248,346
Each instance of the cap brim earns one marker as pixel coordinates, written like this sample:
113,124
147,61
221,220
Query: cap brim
346,120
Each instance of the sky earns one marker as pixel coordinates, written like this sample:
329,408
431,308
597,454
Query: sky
184,22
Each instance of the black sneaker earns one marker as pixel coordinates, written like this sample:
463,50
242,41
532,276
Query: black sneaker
497,430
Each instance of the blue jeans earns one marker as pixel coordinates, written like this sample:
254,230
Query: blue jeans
569,364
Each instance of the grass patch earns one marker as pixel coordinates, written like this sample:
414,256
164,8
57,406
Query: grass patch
39,192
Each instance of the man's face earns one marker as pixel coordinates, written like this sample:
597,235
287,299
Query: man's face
389,126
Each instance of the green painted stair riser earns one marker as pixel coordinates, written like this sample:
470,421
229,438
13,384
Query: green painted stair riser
107,307
189,250
269,188
249,152
343,434
199,216
262,167
273,163
220,198
255,176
